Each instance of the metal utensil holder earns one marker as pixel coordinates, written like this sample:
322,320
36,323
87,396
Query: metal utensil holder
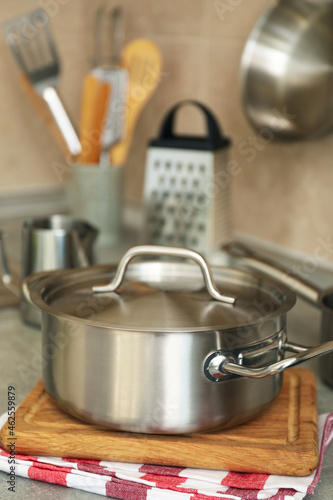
187,187
96,194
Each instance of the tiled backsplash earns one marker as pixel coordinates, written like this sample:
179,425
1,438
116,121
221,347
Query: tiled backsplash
281,192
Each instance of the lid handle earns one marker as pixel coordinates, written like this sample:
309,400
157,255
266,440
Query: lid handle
144,250
214,134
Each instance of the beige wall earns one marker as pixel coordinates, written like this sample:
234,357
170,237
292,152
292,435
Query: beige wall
282,192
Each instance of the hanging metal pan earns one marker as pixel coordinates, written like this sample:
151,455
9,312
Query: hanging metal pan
287,70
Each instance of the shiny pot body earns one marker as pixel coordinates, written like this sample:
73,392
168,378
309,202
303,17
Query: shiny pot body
286,70
148,382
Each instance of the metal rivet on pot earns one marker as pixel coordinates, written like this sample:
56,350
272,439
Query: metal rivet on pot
213,369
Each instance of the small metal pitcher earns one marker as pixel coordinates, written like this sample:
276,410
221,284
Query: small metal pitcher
49,243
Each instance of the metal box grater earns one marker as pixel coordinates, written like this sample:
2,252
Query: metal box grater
187,188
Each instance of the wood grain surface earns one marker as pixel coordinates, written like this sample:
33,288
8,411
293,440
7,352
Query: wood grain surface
282,440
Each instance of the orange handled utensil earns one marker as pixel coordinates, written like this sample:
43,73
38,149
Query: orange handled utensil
95,101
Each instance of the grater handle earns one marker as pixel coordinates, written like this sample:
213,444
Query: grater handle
214,137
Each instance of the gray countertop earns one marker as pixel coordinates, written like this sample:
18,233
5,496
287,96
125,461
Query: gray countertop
19,349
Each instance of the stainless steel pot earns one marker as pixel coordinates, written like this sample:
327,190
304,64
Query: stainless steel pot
304,288
157,352
286,70
48,243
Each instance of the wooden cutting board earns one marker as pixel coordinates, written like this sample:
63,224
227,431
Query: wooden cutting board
282,440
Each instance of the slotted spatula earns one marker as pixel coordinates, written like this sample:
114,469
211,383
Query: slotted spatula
31,42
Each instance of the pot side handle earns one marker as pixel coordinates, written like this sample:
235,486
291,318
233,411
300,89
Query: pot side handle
151,250
221,365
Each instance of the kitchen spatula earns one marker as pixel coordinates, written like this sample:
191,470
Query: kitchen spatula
43,111
143,60
31,42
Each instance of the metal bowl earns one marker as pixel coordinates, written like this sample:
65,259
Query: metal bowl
286,70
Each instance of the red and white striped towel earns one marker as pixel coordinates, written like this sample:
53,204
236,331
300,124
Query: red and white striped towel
146,482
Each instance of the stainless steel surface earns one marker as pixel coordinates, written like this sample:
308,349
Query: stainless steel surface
286,70
118,35
56,242
49,243
109,37
322,298
154,334
30,40
162,297
96,194
246,358
228,365
114,124
187,189
248,257
21,361
118,78
151,383
48,91
153,250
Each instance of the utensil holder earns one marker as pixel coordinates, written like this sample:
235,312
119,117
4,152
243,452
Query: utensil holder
95,194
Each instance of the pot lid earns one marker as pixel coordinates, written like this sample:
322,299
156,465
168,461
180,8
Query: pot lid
159,296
